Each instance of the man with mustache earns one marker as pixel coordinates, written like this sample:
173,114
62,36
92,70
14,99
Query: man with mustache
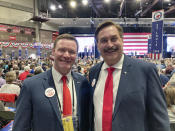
127,93
51,100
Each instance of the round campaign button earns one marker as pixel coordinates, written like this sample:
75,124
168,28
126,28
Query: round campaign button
93,82
49,92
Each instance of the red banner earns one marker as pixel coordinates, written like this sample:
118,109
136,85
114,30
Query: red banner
28,31
12,37
3,28
16,29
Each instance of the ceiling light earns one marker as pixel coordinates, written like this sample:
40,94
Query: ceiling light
53,7
73,4
60,6
138,0
169,4
167,0
107,1
85,2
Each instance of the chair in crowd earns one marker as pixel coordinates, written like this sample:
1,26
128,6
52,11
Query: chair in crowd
6,117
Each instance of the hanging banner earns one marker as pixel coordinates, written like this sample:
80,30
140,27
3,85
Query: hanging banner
13,53
12,37
24,45
26,53
15,45
3,28
20,53
6,44
16,29
157,31
38,47
28,31
149,46
85,51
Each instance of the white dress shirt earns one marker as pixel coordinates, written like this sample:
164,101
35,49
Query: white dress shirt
99,91
59,88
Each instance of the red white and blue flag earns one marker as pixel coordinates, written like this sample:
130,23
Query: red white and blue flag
135,43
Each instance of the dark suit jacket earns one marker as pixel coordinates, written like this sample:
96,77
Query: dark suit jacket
40,113
140,103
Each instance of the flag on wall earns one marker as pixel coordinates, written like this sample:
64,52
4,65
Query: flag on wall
135,43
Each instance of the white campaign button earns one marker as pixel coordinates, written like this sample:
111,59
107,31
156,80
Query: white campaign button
49,92
93,82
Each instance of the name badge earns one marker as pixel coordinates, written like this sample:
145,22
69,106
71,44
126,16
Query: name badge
68,123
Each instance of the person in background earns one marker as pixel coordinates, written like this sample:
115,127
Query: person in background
38,70
23,75
2,81
170,99
53,99
128,94
10,87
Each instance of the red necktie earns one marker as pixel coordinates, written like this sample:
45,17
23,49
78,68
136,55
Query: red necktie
67,104
108,102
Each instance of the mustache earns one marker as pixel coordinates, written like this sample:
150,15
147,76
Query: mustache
111,49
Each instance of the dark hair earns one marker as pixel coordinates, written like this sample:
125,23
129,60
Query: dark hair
67,37
106,24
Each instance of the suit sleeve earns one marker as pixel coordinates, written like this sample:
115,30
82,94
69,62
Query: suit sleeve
156,105
23,117
85,106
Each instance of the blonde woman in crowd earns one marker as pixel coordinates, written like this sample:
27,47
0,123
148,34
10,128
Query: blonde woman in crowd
170,98
10,87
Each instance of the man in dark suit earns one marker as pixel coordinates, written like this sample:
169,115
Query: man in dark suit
43,104
127,93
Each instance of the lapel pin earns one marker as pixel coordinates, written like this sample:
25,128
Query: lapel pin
49,92
125,72
93,82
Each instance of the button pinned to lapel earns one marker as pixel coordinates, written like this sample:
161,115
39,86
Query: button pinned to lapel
50,92
125,72
93,82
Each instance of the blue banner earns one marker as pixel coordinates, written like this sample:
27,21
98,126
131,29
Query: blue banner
149,46
26,53
157,33
38,51
85,51
93,50
20,52
13,53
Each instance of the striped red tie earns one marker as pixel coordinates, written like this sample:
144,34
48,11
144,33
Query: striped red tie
67,103
108,102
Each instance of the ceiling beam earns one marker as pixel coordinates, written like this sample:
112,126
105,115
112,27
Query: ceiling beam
171,9
121,7
149,7
92,4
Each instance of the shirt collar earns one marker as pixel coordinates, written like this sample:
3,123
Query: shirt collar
118,65
57,76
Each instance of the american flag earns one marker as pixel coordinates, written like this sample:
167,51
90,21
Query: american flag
136,43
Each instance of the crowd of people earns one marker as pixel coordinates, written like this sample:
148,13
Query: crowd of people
116,92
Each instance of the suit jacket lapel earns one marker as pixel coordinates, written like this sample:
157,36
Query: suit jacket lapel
77,89
123,85
96,75
49,83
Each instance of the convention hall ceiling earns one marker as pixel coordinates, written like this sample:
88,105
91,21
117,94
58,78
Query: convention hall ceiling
113,9
121,11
